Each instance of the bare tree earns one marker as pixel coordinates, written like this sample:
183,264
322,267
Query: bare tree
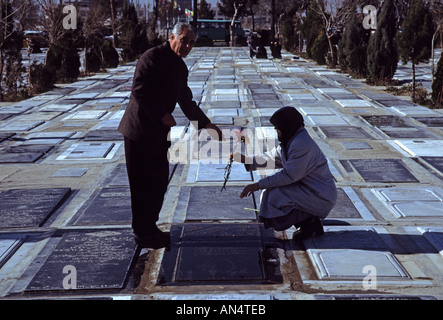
437,13
334,14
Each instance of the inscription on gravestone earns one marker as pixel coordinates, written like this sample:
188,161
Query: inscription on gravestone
383,170
101,260
29,207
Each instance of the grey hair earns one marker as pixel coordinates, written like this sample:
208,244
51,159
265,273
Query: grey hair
179,27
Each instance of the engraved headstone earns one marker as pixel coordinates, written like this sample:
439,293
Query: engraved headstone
100,259
29,207
92,150
431,121
383,170
389,121
209,203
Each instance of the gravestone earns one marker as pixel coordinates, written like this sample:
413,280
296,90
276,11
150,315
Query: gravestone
220,254
210,203
206,171
18,125
354,103
431,121
69,173
23,153
421,148
9,243
355,145
92,150
103,135
348,264
29,207
344,132
382,170
436,163
100,259
412,202
394,132
385,121
106,207
344,208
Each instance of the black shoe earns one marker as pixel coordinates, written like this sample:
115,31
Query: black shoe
309,227
155,241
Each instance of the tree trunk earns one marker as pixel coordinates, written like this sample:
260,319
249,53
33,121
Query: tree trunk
114,35
413,81
331,48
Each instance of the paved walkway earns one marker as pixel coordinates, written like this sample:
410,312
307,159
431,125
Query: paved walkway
64,196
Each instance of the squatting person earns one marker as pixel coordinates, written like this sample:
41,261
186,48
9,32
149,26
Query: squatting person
160,81
303,192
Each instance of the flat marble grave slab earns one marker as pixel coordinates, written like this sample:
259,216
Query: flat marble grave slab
210,203
107,206
220,254
101,260
420,148
29,207
431,121
205,171
382,170
24,153
385,120
90,151
412,202
343,252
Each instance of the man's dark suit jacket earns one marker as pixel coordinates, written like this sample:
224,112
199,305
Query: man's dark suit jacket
160,81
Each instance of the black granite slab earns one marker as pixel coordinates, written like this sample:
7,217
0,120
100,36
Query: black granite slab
29,207
107,206
23,153
209,203
98,259
220,254
386,120
103,135
383,170
344,208
436,163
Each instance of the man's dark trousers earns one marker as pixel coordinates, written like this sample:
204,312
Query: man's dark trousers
148,172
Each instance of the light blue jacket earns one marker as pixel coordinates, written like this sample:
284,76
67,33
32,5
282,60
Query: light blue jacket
304,181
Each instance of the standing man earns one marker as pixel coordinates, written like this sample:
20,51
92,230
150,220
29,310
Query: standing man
160,81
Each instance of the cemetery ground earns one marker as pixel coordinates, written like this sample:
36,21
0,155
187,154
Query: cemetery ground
65,208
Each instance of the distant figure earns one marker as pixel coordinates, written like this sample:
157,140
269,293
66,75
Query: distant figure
261,51
303,192
252,45
276,49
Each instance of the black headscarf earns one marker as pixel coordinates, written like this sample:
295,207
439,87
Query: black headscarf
288,120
